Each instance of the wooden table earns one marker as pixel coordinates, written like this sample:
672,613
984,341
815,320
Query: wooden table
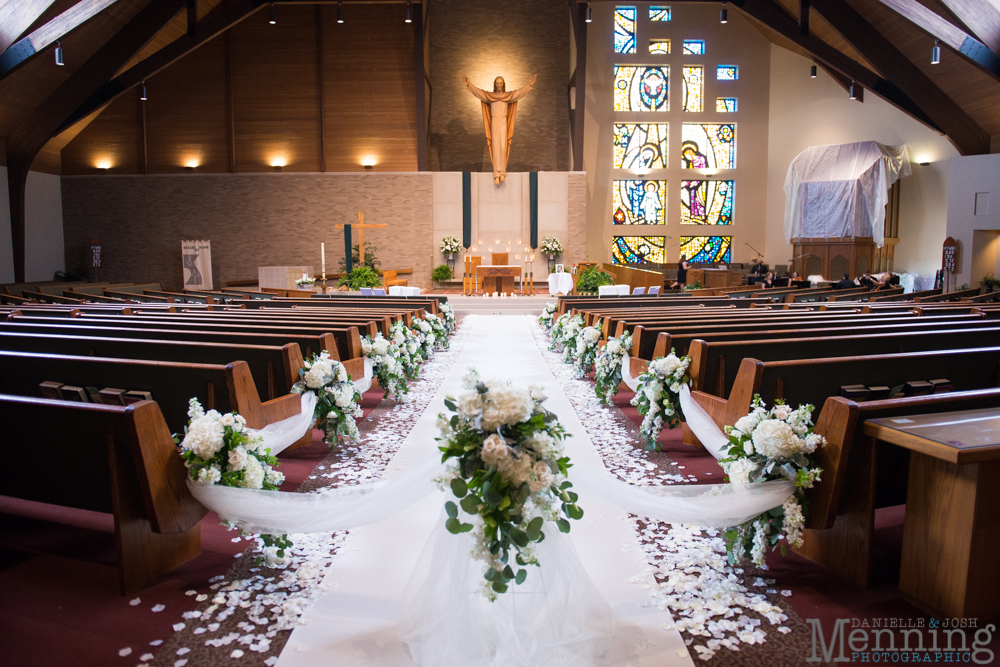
714,277
497,278
952,532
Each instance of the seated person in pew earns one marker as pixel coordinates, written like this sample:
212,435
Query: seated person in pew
845,283
868,281
768,281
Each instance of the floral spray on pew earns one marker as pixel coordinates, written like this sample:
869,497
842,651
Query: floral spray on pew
609,366
547,318
768,445
657,396
387,366
220,449
337,399
508,469
583,352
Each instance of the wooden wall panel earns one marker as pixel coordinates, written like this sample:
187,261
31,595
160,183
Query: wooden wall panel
187,113
370,90
274,91
113,137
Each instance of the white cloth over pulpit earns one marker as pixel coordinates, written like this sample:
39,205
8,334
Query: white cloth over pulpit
560,283
841,190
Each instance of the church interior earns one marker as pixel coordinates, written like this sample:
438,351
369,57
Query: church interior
371,198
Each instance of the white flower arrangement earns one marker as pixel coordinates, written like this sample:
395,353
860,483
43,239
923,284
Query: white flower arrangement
547,318
551,246
608,366
428,340
448,315
438,329
220,449
303,282
386,365
450,245
409,344
768,445
507,467
337,398
657,398
586,348
563,335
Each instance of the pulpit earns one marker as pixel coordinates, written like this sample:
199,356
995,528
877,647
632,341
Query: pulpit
498,278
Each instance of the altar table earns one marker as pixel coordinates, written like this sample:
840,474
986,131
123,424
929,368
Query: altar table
950,535
497,278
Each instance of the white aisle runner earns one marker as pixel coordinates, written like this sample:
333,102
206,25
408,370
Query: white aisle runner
353,624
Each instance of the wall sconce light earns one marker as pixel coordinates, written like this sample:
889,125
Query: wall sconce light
923,164
103,164
340,12
278,161
409,14
590,13
272,19
498,241
191,163
368,162
480,242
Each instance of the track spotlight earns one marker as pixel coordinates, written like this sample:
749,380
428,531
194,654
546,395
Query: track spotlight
409,14
340,12
936,54
590,13
142,91
812,72
724,15
272,20
854,94
59,54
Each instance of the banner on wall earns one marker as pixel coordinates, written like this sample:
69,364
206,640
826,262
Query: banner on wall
197,256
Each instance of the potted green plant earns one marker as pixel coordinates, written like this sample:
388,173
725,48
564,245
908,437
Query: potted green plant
441,273
989,284
591,278
360,276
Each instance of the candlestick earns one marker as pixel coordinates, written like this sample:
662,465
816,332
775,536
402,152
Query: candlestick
322,258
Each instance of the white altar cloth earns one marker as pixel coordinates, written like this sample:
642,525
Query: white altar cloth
560,283
402,290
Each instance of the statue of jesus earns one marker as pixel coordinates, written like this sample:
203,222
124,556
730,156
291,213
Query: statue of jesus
499,109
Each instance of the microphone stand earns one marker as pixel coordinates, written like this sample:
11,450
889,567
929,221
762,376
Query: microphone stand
759,253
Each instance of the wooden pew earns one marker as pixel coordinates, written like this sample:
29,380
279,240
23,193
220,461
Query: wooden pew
905,297
895,291
115,460
226,388
369,326
949,296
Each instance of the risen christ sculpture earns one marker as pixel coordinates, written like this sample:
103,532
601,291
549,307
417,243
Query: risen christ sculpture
499,110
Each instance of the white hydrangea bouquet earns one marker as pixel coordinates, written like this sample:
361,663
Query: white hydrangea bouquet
408,342
768,445
220,449
448,315
506,465
586,349
657,396
386,367
547,318
305,282
450,245
609,366
439,330
427,338
564,333
337,398
551,246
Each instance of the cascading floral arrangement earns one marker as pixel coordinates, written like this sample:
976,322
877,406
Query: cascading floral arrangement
409,344
450,245
337,399
657,398
427,338
586,348
564,334
439,330
448,315
551,246
386,366
775,444
220,449
609,365
547,318
506,465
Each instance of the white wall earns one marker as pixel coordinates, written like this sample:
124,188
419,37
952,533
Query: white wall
968,176
815,112
43,228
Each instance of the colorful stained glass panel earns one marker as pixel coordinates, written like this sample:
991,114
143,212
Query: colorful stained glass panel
659,13
725,105
659,46
639,203
694,88
708,146
706,249
639,88
694,47
637,249
625,29
727,72
707,202
640,145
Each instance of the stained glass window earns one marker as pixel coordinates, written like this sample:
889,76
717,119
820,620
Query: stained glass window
624,29
694,47
727,72
707,202
639,88
725,104
708,146
640,145
694,87
706,249
637,249
660,46
659,13
639,202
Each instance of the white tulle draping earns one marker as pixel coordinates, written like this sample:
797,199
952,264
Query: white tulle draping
630,382
365,383
280,435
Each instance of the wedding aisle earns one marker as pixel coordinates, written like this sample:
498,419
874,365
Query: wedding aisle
354,623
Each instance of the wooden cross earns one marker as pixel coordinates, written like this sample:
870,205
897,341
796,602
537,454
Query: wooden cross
361,227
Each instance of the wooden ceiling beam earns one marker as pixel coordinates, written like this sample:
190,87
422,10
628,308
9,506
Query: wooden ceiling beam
16,16
775,17
804,18
944,31
225,15
873,46
981,17
29,47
